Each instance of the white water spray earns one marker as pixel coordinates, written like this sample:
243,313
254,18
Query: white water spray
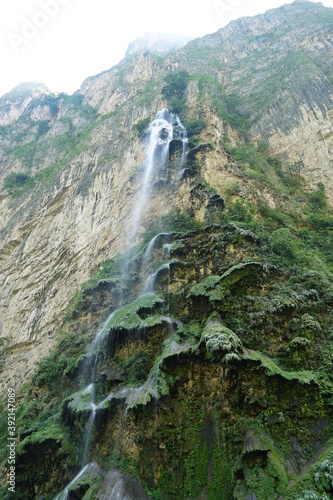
160,134
185,145
150,247
64,494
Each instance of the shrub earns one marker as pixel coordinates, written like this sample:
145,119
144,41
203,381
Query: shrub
142,125
175,84
15,182
174,90
194,127
318,198
283,243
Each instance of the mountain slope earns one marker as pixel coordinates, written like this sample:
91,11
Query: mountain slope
220,386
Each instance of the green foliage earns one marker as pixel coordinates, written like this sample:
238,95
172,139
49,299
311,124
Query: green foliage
128,317
50,430
221,482
304,377
204,287
194,127
318,198
175,84
227,105
272,216
295,169
142,125
216,287
250,155
239,211
26,153
69,145
220,340
43,127
174,90
51,101
284,244
177,221
136,368
19,181
61,364
107,270
316,482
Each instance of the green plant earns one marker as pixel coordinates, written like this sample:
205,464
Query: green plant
194,127
142,125
174,90
18,182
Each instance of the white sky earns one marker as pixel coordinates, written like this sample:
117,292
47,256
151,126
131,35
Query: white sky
61,42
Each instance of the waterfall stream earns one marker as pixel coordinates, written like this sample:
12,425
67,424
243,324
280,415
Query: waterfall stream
160,134
184,140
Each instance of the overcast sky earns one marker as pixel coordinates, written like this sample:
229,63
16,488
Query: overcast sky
61,42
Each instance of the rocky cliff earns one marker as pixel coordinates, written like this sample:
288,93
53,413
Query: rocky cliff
157,43
213,379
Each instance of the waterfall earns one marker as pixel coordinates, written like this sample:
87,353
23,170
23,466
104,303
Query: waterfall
90,427
64,494
150,247
167,249
160,134
184,140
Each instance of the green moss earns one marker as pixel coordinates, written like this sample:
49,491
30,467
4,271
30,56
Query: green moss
237,273
50,430
205,287
215,287
220,340
261,469
318,480
272,369
128,318
220,485
81,400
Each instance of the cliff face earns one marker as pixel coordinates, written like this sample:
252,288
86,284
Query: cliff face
241,331
280,68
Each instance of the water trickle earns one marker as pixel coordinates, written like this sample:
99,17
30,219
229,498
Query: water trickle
130,395
167,249
64,494
184,141
168,265
150,247
170,322
94,350
150,283
89,430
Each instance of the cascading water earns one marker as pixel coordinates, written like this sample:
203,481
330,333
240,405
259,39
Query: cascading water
150,247
90,427
160,134
184,140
